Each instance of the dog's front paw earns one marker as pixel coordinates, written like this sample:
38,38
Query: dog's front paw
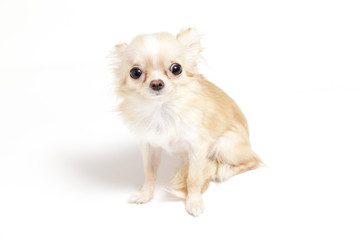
140,198
194,206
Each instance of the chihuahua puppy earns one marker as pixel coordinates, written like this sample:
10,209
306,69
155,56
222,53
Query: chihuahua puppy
171,107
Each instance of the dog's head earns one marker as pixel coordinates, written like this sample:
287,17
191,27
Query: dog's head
154,65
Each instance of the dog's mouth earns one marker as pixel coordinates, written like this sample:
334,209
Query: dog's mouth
151,93
157,92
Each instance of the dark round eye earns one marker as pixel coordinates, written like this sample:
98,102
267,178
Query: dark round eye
175,68
135,73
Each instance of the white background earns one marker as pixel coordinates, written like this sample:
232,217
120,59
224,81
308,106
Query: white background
68,164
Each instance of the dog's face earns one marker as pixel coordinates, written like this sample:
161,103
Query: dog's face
155,65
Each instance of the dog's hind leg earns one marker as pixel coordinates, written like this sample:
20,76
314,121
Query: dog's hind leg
234,155
248,160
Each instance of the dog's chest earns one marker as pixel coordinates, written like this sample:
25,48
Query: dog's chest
162,125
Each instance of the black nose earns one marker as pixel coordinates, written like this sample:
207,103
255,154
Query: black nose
157,85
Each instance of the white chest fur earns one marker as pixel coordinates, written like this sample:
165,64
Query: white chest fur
161,124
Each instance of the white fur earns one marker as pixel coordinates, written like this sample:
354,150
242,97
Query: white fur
152,46
159,123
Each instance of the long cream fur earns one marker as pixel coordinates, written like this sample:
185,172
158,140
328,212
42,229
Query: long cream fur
190,116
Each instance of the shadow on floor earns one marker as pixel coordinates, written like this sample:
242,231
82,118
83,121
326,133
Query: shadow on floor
116,166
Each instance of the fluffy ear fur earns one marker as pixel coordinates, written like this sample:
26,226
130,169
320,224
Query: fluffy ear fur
191,39
119,48
116,58
115,55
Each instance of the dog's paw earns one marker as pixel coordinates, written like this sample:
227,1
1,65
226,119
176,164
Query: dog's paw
194,206
140,198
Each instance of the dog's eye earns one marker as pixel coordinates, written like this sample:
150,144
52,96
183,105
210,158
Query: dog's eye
175,68
135,73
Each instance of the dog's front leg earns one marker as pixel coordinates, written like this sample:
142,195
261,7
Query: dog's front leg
194,203
151,157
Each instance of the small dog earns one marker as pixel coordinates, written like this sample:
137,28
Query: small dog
171,107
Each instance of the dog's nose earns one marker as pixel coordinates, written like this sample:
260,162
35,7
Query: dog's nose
157,85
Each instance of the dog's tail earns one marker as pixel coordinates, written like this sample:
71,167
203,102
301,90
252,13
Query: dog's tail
178,185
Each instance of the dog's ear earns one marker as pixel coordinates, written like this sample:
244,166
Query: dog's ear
116,55
116,59
119,48
191,39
